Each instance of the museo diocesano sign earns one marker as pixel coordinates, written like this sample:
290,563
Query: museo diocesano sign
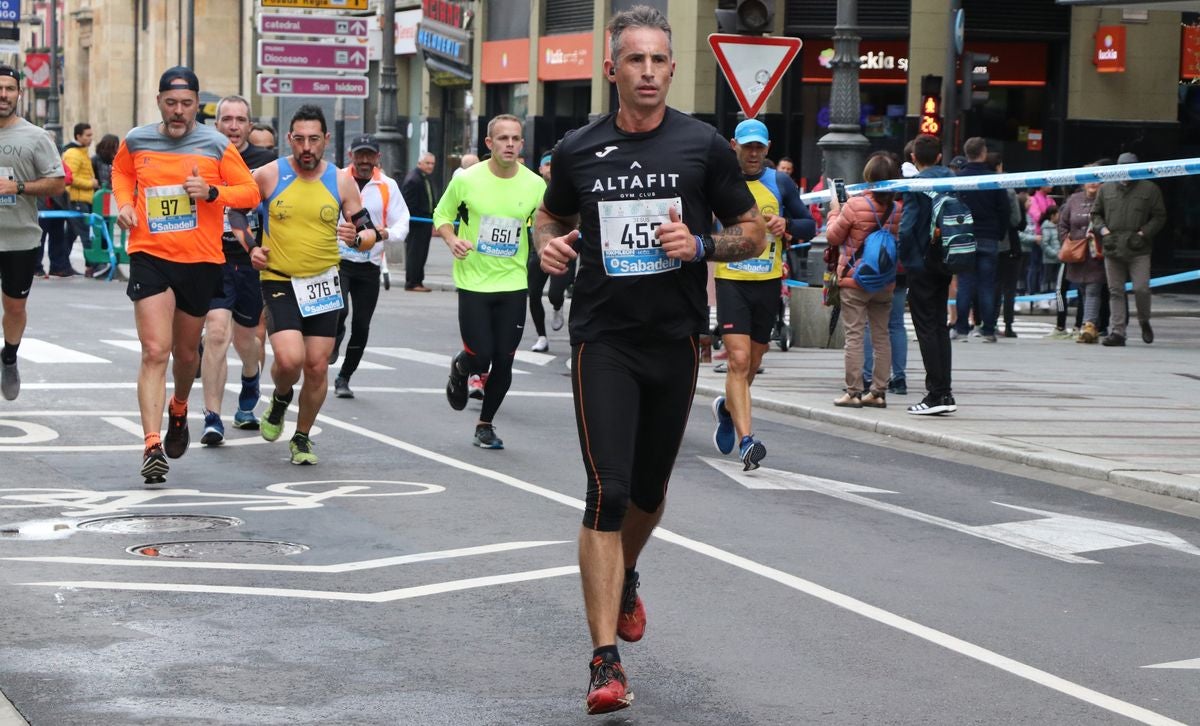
1109,55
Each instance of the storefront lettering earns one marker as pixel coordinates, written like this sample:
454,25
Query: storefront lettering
440,44
559,57
446,12
881,61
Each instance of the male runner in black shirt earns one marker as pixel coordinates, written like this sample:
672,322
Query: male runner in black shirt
642,185
235,315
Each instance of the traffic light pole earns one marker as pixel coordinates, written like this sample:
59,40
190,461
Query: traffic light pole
949,90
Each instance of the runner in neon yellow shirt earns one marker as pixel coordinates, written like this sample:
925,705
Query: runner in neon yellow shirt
493,203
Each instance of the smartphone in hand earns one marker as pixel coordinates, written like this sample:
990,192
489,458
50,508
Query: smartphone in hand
839,189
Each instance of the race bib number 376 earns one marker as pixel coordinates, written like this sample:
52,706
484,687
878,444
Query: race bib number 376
628,243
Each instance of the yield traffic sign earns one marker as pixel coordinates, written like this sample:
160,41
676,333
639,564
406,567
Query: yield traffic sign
309,25
753,66
330,86
312,56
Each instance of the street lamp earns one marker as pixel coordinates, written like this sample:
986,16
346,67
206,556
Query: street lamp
52,122
844,148
386,133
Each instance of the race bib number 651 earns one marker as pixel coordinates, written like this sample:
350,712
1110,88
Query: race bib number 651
628,243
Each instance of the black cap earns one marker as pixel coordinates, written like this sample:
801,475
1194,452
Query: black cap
7,70
366,141
179,78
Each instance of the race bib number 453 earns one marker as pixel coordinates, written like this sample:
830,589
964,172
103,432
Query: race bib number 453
169,209
628,243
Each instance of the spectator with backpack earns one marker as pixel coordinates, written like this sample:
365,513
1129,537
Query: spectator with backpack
990,221
922,254
865,231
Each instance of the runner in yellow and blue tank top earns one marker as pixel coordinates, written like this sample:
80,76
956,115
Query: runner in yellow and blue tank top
308,207
494,202
748,291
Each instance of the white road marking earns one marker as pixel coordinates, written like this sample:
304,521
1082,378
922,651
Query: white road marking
127,425
1193,664
537,359
404,593
944,640
339,568
123,420
133,345
41,351
31,433
441,360
810,483
1070,534
442,392
136,347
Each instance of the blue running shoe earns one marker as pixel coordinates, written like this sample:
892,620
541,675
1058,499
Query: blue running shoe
724,437
245,419
752,451
214,430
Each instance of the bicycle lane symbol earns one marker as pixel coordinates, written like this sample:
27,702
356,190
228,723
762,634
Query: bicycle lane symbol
283,496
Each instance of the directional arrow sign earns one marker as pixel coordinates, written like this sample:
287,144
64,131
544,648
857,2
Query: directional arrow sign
330,86
308,25
1058,536
312,56
753,66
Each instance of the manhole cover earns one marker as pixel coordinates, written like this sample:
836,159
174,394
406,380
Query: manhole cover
143,523
219,549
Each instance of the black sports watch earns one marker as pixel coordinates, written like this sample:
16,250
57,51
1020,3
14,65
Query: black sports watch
212,193
20,187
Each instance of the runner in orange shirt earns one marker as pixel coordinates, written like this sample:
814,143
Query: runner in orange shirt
172,182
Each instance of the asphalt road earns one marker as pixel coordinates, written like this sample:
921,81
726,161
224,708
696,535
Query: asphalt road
853,580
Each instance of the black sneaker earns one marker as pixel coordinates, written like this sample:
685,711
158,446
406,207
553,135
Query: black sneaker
1114,340
934,405
341,388
1147,333
175,443
1009,332
899,388
486,438
456,387
154,465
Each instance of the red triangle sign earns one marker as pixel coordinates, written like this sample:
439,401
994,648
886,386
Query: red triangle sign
753,65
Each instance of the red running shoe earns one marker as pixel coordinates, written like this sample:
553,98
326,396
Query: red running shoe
631,622
606,688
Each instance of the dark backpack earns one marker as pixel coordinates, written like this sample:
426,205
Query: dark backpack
951,233
876,268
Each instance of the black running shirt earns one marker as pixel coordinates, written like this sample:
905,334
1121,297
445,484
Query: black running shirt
254,156
624,288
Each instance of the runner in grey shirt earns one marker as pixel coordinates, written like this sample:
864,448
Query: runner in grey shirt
30,167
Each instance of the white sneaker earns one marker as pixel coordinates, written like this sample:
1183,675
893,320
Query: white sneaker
556,322
541,345
475,387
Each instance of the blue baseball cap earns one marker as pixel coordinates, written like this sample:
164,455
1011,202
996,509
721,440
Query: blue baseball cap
751,131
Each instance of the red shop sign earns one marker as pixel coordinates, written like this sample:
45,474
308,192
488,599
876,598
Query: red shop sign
1189,57
1109,55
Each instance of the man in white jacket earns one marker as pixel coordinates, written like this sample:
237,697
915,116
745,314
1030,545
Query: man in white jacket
360,269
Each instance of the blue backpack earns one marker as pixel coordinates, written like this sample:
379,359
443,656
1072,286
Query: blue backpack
876,268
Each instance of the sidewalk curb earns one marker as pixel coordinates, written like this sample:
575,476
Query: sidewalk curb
1155,482
9,715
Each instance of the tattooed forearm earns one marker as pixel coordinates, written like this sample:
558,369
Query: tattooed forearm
742,240
546,227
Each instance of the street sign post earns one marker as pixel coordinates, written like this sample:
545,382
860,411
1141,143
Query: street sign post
329,86
339,26
316,4
753,66
312,56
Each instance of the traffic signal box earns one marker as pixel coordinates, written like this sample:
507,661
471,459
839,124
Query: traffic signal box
931,105
750,17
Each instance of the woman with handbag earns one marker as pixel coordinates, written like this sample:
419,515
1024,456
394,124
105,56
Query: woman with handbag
849,226
1082,257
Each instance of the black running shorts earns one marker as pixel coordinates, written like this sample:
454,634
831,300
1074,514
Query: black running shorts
241,293
195,284
16,272
631,408
283,313
748,307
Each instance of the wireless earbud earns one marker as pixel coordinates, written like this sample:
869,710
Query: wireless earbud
612,71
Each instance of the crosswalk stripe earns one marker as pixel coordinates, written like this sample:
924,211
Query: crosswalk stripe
136,347
537,359
41,351
434,359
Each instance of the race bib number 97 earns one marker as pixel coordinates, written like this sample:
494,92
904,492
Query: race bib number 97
169,209
628,243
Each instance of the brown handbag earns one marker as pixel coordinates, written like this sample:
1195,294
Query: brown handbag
1073,250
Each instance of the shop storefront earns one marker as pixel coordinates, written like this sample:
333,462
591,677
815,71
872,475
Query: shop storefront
445,40
565,67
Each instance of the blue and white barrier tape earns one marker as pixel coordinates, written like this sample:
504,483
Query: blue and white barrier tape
1021,180
1154,282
